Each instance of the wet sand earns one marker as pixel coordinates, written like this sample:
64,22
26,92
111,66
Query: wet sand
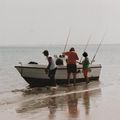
94,101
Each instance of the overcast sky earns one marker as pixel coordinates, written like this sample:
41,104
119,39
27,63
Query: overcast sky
36,22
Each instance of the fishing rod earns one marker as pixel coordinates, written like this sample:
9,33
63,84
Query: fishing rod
93,59
58,61
67,40
86,46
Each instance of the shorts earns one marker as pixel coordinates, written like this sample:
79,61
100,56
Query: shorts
71,68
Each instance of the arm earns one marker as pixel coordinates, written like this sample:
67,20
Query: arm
65,53
77,58
49,62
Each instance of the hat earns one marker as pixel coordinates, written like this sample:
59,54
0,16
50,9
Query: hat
72,49
85,54
45,52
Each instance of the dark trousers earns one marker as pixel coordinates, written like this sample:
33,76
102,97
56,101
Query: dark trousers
51,75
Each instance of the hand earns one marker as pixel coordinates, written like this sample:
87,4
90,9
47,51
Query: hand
46,71
79,62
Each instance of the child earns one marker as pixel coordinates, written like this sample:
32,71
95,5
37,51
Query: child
85,64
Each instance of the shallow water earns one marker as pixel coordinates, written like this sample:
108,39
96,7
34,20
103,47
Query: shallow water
95,101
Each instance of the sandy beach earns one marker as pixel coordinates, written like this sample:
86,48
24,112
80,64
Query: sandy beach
82,102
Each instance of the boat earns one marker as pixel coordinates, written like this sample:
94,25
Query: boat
35,75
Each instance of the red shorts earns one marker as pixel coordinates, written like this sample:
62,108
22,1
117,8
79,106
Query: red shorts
85,72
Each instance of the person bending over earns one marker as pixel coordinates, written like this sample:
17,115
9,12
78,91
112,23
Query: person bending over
51,68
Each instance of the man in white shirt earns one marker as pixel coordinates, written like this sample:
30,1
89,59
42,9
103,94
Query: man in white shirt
51,68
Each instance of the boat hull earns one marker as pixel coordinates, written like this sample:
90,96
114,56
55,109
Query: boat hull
35,74
33,82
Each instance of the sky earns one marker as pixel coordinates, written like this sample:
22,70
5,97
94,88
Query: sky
38,22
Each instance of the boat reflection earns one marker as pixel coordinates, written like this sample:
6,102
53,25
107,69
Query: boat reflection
71,101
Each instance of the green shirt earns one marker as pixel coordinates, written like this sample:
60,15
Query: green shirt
85,63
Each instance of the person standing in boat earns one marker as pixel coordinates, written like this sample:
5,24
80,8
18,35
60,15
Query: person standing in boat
85,64
51,68
71,64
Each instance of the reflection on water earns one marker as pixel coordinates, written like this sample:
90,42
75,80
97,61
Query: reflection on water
86,100
52,105
62,99
72,104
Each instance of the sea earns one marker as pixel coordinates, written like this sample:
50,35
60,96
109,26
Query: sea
99,100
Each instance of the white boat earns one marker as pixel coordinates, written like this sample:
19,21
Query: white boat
35,74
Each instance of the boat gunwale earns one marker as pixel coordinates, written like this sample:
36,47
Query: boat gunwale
61,68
